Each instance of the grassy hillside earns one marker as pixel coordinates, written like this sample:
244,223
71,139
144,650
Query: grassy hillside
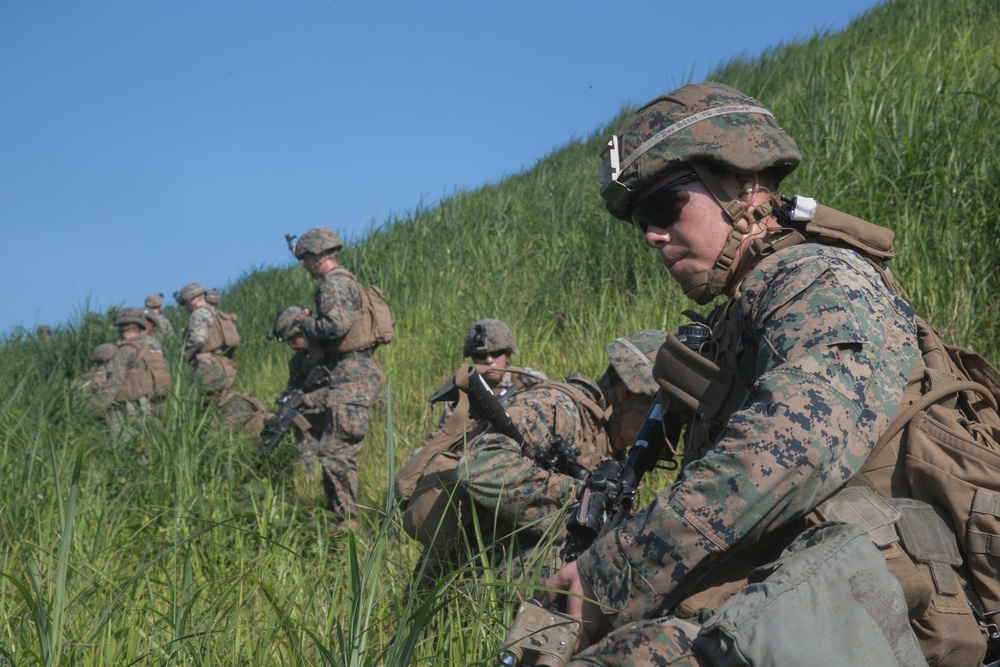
174,548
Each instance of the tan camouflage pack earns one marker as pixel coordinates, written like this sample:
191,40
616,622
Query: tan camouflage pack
375,327
148,376
223,335
943,449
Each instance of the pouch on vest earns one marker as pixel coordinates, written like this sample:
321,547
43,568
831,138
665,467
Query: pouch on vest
827,601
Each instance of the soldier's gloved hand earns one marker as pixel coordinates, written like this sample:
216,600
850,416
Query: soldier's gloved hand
595,623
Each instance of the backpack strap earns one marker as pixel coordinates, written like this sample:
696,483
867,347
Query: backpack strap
934,395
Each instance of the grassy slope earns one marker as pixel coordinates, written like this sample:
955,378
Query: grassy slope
176,555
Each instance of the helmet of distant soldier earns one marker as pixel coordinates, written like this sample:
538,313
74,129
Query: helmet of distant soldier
127,316
43,331
102,353
154,301
317,241
287,324
213,296
632,358
188,292
489,336
705,123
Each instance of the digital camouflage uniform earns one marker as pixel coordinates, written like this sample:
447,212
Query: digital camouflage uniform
137,377
818,350
312,407
354,379
826,349
215,370
161,325
97,375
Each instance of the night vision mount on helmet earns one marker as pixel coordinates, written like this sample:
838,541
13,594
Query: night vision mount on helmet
316,241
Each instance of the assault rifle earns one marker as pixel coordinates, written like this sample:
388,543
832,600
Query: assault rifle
281,423
484,404
547,637
486,408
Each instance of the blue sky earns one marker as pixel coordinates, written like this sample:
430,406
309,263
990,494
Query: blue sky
147,144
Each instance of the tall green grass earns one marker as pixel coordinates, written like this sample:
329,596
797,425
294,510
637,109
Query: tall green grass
182,546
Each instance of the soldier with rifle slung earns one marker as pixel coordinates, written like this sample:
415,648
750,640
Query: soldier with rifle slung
302,405
521,466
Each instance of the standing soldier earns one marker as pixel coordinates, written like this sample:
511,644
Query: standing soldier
210,343
137,374
154,311
306,375
490,343
342,337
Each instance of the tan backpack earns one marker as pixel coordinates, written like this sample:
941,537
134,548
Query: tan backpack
223,334
949,441
376,325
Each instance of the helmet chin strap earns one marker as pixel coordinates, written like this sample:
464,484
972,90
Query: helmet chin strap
714,279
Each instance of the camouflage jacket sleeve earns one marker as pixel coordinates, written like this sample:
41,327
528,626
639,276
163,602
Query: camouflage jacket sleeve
502,480
160,323
827,351
116,370
337,301
197,332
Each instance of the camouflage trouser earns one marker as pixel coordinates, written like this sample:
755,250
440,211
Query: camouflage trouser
354,385
662,642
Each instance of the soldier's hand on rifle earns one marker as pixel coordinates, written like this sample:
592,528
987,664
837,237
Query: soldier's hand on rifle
595,623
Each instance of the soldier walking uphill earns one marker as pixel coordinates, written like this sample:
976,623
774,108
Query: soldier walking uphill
341,334
210,342
154,311
806,364
136,376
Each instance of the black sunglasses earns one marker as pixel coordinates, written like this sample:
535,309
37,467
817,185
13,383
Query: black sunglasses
662,206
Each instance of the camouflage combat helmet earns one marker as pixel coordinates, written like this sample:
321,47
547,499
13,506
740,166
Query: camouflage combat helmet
154,301
705,123
188,292
287,325
213,296
316,241
488,336
136,316
43,331
102,353
632,358
701,126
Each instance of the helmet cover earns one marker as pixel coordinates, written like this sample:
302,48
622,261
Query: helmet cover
317,241
632,358
486,336
698,123
287,324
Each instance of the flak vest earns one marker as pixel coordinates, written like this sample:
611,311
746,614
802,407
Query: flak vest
147,375
223,336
